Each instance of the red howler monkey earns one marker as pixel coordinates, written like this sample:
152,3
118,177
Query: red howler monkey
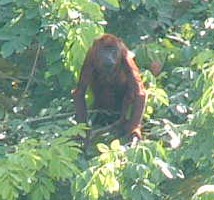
114,78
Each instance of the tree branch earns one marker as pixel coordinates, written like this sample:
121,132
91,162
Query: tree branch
33,71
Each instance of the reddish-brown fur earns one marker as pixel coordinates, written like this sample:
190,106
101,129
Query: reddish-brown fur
121,89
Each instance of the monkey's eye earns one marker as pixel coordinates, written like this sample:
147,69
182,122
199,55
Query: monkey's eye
114,50
111,49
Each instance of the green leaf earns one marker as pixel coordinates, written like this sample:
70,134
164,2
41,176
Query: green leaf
129,112
203,57
115,145
54,69
78,130
43,189
4,2
102,148
93,192
91,9
55,167
32,13
6,35
159,95
113,184
105,158
161,149
8,191
7,49
114,3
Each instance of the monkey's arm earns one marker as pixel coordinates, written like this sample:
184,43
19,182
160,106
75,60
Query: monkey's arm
80,91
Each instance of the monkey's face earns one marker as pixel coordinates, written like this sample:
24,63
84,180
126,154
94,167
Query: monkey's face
110,58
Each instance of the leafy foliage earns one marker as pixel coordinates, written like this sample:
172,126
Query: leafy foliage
43,44
36,165
122,173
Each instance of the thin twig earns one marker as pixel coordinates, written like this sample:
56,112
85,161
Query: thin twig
178,39
104,129
33,71
38,120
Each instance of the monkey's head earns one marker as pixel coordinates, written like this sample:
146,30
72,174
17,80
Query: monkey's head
109,54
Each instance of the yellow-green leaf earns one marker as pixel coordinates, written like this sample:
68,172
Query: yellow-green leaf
102,148
93,192
115,145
